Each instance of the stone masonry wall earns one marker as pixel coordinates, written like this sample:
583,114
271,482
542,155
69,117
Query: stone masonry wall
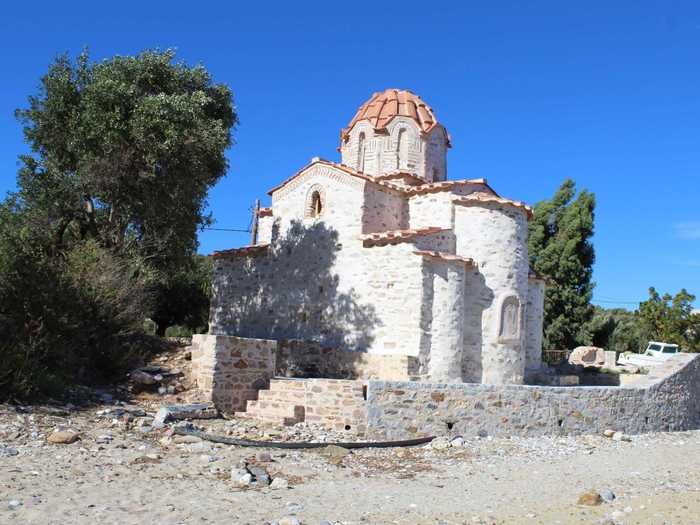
336,404
496,238
534,321
230,370
431,209
383,210
318,282
310,360
414,152
668,399
443,320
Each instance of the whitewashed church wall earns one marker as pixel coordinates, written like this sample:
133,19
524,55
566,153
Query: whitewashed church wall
311,286
430,209
534,324
265,229
496,238
466,189
390,278
342,198
477,298
435,157
444,326
383,210
442,241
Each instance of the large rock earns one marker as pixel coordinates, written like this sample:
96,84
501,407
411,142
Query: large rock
241,477
588,356
63,437
590,499
141,378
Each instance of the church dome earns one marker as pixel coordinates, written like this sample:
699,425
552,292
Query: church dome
382,107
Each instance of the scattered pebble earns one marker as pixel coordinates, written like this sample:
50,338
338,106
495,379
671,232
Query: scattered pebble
279,483
607,495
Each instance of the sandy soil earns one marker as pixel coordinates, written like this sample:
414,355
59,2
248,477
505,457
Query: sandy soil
121,473
123,470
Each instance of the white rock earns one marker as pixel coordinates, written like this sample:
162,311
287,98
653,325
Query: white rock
241,477
279,483
619,436
457,442
290,520
607,495
440,443
14,504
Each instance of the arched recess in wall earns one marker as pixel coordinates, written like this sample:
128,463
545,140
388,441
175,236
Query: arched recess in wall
361,144
402,140
315,202
510,319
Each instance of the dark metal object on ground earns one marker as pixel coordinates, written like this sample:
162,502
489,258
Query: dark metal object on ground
184,431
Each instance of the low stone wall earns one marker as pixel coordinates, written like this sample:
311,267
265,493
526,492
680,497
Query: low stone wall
667,399
296,358
333,403
230,370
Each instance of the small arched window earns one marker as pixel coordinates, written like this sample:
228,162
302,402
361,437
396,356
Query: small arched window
315,201
316,204
402,149
361,153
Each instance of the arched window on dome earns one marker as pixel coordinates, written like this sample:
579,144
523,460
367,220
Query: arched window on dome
361,153
402,149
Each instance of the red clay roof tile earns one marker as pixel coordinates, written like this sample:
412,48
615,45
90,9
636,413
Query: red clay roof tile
245,251
382,107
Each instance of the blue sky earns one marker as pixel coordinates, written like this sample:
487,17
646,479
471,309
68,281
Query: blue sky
607,93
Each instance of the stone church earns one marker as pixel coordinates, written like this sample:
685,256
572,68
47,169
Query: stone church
382,258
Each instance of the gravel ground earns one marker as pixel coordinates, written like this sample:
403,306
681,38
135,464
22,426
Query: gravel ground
122,470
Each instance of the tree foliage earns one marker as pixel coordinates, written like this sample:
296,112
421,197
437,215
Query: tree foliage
124,152
183,297
101,233
670,319
560,249
614,329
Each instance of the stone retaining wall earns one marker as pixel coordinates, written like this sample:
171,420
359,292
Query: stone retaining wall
230,370
668,399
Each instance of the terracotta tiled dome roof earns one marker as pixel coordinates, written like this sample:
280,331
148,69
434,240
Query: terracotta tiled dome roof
382,107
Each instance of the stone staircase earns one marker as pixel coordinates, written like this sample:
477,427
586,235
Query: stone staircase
334,403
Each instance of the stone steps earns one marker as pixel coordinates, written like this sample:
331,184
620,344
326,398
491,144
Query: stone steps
337,404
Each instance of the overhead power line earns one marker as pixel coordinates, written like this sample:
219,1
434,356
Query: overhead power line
227,230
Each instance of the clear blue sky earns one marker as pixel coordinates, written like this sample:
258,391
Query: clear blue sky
607,93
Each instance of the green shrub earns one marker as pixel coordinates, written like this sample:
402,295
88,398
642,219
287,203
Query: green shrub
178,331
149,326
70,318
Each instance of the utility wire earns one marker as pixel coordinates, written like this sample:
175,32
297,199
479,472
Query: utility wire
614,302
227,230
